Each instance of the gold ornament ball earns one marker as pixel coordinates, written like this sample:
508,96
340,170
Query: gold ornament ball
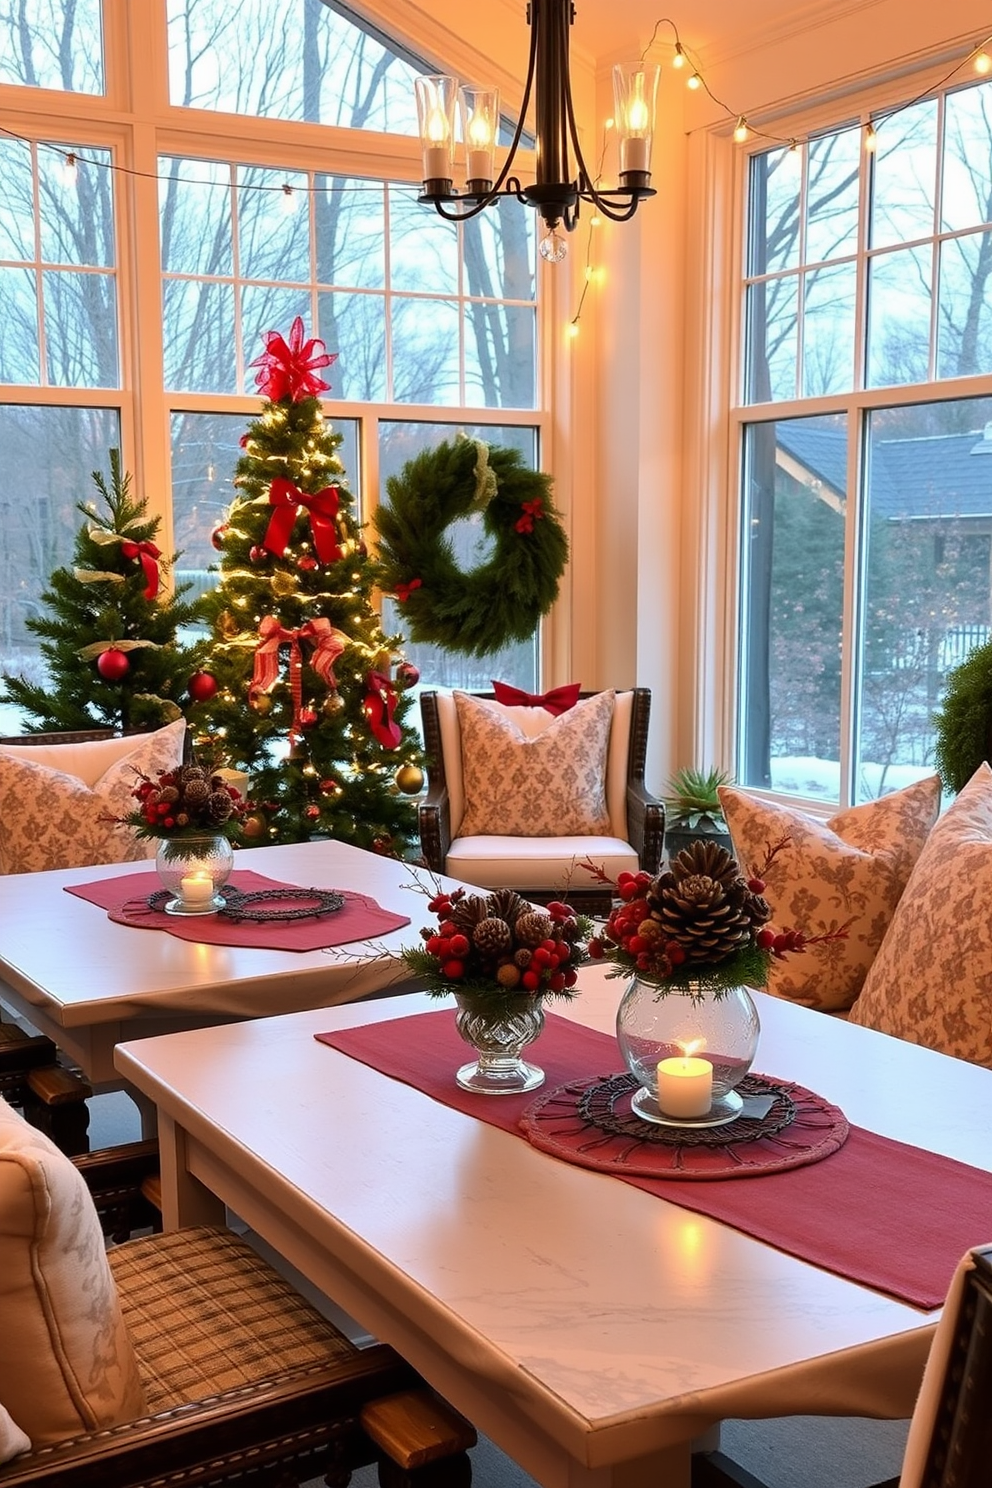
332,705
283,584
410,779
253,827
262,704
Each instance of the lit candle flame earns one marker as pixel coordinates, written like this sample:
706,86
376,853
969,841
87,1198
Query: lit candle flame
691,1047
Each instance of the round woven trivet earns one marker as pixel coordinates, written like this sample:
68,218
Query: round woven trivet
590,1122
268,906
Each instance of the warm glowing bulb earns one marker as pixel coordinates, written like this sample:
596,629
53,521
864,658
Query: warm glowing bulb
595,220
741,132
638,116
679,59
479,134
983,62
871,138
436,131
694,82
573,330
70,171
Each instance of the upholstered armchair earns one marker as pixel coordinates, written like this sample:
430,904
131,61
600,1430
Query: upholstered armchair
519,797
183,1358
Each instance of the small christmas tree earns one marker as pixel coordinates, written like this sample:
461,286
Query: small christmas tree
307,698
110,644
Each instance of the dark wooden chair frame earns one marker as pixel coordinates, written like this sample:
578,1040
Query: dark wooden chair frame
645,813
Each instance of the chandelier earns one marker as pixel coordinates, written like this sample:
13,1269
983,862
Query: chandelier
561,186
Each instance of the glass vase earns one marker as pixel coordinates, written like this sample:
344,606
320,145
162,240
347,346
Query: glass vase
499,1028
194,869
685,1026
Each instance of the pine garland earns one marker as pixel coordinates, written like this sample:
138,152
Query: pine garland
500,601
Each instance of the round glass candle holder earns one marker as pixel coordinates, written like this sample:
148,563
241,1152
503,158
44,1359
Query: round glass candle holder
683,1024
194,869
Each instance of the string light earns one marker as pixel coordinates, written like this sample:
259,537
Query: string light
871,137
741,131
694,82
288,199
983,62
70,172
679,59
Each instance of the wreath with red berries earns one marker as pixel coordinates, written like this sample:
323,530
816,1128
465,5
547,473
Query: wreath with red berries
500,601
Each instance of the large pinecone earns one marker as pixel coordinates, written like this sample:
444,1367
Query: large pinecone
705,904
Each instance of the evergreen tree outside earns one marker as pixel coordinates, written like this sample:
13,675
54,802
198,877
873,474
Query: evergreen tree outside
110,644
311,695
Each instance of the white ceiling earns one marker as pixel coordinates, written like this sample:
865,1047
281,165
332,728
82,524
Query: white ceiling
605,28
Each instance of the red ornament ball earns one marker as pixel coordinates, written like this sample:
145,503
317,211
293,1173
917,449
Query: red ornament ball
312,813
218,535
112,665
307,563
256,554
407,675
201,686
307,717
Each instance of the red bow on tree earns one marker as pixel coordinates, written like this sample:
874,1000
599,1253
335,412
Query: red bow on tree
379,707
286,500
149,555
328,643
558,700
289,371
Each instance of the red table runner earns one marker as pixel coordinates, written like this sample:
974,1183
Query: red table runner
879,1212
126,902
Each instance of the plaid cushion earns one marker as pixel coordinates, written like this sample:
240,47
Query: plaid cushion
206,1314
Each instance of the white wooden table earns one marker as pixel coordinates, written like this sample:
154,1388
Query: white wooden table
590,1329
87,982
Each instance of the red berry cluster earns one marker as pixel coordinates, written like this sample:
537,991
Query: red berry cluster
188,798
631,929
518,957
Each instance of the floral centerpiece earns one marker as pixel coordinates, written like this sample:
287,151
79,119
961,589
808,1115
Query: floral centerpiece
500,957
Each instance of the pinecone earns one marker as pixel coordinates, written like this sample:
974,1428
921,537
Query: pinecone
707,858
506,904
468,913
708,922
492,936
533,927
219,807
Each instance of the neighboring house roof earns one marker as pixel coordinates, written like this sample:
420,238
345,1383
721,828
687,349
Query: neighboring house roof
932,476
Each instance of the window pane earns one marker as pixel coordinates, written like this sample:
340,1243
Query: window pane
77,221
354,326
966,185
926,600
195,217
773,239
52,44
832,195
267,308
350,232
56,445
423,249
773,339
80,329
425,352
273,227
904,175
518,663
899,317
828,330
16,200
198,336
500,352
19,317
964,331
322,67
205,451
795,476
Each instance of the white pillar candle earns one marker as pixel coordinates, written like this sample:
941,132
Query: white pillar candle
196,887
480,165
437,162
236,778
635,154
685,1086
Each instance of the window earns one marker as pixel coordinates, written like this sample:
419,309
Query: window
130,328
866,436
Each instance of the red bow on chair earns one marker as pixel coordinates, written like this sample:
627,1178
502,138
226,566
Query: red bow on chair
558,700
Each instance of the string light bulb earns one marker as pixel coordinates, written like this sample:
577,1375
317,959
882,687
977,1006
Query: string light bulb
70,172
741,131
679,59
572,330
694,82
983,62
871,138
288,200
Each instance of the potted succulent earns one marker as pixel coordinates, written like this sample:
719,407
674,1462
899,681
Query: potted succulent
692,809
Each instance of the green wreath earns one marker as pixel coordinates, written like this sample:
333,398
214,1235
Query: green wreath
482,610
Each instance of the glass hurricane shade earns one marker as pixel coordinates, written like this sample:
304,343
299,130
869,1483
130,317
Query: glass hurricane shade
436,96
194,869
635,93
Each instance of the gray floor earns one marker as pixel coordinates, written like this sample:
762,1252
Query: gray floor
792,1452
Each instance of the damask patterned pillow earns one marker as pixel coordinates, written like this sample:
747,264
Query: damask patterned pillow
52,819
853,867
549,785
931,982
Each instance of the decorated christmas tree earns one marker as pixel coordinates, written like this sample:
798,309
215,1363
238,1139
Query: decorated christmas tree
109,643
309,690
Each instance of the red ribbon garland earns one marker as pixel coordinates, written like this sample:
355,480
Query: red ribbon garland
379,706
286,500
149,555
558,700
289,370
328,645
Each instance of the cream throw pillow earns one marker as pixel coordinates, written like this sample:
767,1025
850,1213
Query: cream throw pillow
551,785
50,818
66,1362
931,982
853,867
